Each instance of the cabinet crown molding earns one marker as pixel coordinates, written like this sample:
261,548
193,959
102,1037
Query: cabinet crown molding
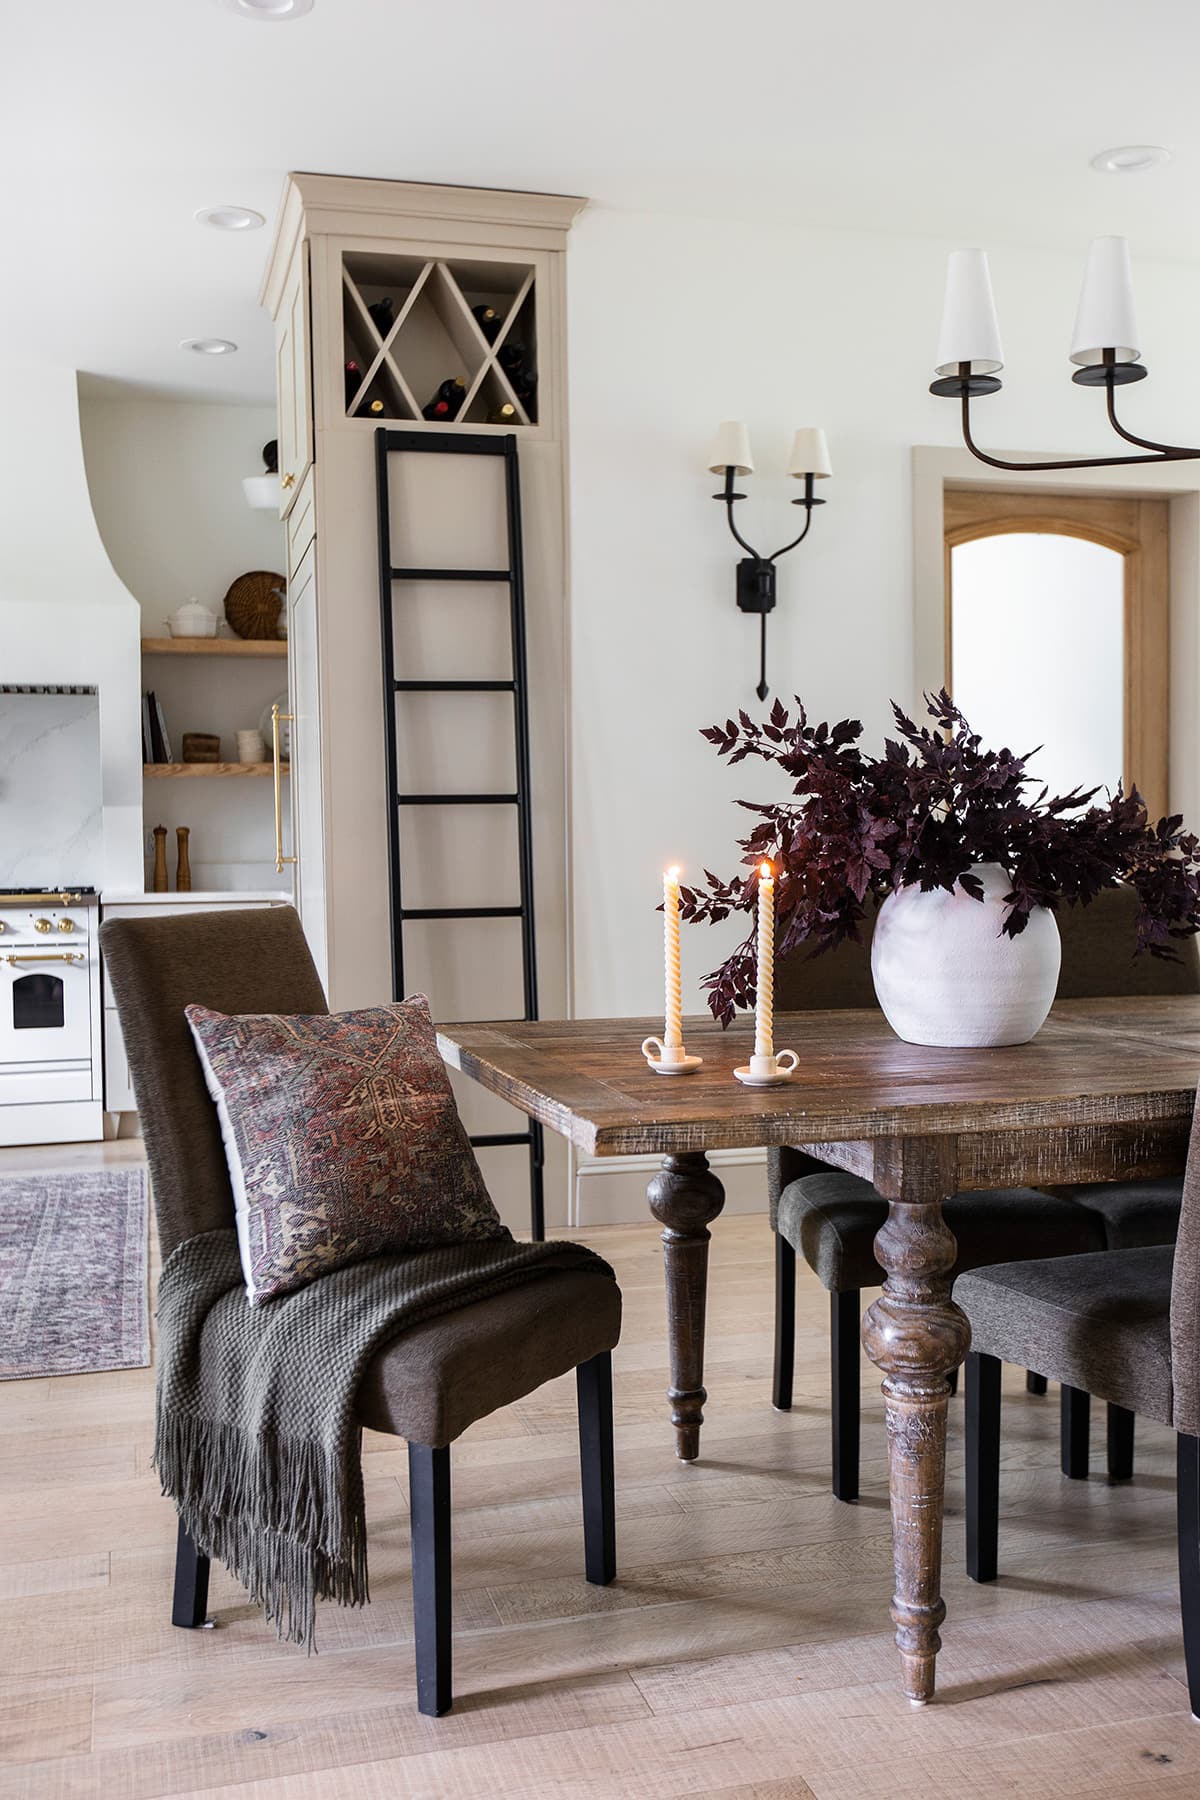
315,205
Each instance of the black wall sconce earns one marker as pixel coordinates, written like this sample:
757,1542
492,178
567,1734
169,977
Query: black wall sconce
730,456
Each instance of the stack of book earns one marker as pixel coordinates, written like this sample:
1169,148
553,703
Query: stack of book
156,745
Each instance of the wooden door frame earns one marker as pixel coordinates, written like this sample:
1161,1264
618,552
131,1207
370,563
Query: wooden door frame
1137,529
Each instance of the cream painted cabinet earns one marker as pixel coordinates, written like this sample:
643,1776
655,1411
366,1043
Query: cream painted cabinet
293,378
410,297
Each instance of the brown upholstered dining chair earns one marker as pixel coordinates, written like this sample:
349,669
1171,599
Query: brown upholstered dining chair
1122,1324
830,1217
433,1381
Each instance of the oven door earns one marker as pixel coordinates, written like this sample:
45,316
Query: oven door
45,1023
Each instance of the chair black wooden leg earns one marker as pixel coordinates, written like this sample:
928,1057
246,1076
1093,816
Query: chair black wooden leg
189,1603
429,1504
844,1346
785,1323
593,1382
1073,1433
982,1408
1187,1450
1120,1443
1035,1384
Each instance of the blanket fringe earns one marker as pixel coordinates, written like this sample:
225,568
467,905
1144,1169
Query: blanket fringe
274,1510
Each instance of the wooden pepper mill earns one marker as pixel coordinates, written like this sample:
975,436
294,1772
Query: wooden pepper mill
183,868
159,883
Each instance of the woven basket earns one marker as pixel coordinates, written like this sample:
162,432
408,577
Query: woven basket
253,602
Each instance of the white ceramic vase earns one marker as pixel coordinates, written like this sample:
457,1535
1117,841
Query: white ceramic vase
946,974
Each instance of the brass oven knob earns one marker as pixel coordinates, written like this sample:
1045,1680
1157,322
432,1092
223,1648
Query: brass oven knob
42,925
66,924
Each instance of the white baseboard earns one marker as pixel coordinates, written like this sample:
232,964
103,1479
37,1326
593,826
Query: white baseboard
611,1190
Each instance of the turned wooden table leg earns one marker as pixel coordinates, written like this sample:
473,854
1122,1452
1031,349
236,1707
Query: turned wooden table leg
685,1198
916,1334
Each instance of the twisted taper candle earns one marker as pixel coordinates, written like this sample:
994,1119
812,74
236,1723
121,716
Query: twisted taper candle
764,1002
673,1033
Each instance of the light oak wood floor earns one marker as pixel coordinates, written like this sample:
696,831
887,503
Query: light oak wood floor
744,1651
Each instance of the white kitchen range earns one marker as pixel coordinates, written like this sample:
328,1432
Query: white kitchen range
51,1073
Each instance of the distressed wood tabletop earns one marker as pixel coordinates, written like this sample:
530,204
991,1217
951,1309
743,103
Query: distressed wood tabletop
1095,1062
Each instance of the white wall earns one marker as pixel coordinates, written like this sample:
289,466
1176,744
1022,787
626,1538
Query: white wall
674,324
165,480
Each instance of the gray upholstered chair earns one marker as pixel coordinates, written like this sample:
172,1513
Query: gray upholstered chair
831,1217
1122,1324
437,1378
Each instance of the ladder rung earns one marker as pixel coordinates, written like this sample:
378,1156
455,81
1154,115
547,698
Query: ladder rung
455,687
451,574
462,912
493,1139
458,799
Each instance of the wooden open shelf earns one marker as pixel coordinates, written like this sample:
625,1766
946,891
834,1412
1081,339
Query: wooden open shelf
214,646
434,336
157,771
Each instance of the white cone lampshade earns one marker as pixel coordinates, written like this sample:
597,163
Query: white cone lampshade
810,453
1105,319
970,329
731,449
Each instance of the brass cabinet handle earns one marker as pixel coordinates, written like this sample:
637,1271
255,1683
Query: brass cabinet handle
278,718
42,926
286,481
68,956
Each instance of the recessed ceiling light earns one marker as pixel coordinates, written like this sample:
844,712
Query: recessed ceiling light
272,10
1130,159
209,346
230,218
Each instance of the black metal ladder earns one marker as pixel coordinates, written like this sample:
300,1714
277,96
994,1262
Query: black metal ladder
388,443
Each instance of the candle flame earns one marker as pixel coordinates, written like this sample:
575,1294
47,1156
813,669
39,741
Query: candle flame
766,871
673,872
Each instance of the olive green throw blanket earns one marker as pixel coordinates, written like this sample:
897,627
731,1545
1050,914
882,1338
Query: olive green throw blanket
256,1438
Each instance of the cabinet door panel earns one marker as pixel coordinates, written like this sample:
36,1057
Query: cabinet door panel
307,786
293,379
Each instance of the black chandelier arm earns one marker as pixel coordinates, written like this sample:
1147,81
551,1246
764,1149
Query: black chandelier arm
1077,462
1169,452
762,690
796,540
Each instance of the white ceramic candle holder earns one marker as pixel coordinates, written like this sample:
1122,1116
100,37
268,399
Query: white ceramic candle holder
768,1071
669,1059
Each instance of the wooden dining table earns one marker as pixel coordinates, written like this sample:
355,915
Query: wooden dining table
1105,1092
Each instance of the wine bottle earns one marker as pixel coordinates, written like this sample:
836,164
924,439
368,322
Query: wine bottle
373,408
512,360
503,415
446,402
353,374
383,314
488,321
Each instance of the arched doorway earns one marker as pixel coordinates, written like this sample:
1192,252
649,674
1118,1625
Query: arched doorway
1056,633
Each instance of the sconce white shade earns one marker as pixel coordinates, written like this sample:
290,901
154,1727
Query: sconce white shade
731,449
970,329
1105,319
262,492
810,453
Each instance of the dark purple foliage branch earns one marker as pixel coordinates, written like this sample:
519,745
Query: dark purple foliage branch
921,814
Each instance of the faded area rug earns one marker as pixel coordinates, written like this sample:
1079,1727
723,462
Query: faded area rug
73,1247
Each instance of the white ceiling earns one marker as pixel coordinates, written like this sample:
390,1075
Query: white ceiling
120,118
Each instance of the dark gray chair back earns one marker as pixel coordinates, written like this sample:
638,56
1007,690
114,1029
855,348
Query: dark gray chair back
1185,1298
253,960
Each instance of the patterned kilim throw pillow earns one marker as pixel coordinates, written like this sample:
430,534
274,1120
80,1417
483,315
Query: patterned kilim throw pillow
342,1137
